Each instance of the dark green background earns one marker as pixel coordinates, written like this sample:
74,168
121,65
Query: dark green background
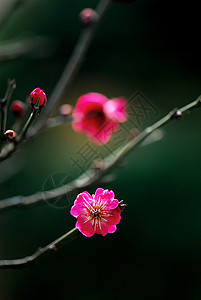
152,46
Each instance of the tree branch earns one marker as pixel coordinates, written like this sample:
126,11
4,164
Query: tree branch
4,107
71,69
28,260
23,46
93,175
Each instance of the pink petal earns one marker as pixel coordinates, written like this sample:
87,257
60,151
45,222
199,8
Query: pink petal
82,197
108,195
90,98
113,204
84,224
98,192
83,201
116,109
112,229
78,125
104,134
76,210
105,195
101,228
108,200
115,216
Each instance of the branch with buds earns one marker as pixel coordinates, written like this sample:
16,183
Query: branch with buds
98,171
52,247
103,210
84,181
68,74
29,260
3,109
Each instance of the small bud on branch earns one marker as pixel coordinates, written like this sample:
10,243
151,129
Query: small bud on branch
177,114
88,16
18,108
10,136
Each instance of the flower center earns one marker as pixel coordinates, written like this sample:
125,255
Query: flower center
95,114
96,213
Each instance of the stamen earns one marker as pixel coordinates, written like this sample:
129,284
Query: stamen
99,223
87,204
87,219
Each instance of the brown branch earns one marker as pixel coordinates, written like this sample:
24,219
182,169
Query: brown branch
72,67
29,260
83,181
4,107
92,176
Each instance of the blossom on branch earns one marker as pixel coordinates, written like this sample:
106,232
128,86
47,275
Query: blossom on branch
10,135
99,213
88,17
38,97
18,108
98,117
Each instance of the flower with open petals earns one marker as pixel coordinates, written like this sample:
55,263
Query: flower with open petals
99,213
98,117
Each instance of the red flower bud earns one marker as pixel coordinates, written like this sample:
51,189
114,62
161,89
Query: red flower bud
38,97
88,16
10,136
17,108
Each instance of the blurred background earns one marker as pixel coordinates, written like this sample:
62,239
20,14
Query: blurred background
149,46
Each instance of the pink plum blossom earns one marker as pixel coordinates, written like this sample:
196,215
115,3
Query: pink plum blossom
99,213
98,117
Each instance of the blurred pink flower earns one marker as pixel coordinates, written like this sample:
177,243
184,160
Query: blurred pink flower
98,117
18,108
99,213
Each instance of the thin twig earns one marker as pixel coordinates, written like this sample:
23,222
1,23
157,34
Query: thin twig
29,260
17,125
93,175
35,46
31,118
4,108
71,69
19,140
58,121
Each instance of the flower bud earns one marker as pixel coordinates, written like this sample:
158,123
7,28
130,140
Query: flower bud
65,110
18,108
177,114
88,16
38,99
122,205
10,136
